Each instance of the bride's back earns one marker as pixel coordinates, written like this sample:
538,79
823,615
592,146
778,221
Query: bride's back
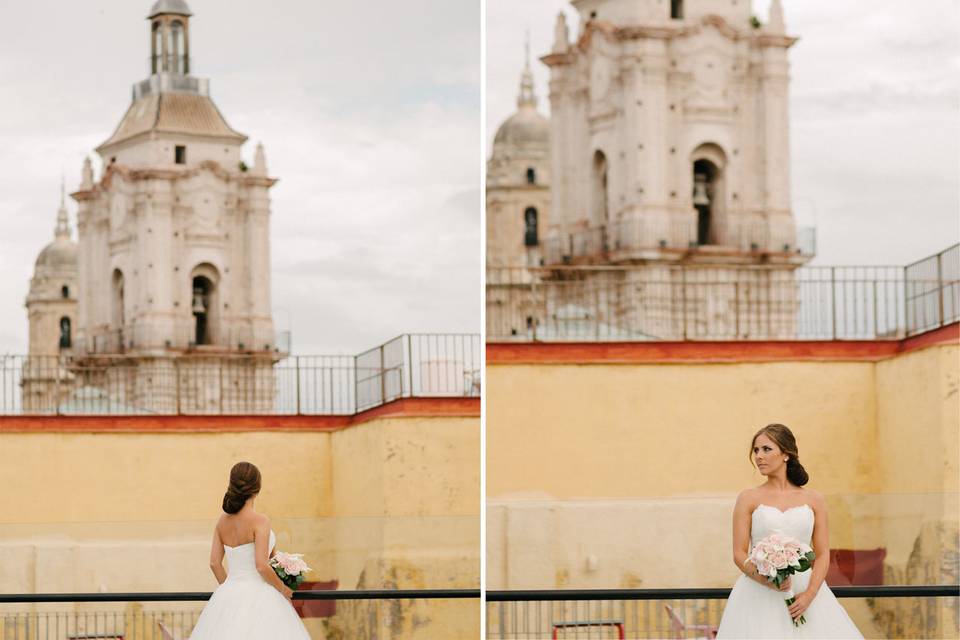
238,529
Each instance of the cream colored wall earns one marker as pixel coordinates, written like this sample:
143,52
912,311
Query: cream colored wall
597,474
602,431
388,503
64,477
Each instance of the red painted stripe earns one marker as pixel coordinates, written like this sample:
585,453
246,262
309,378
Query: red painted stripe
403,408
711,352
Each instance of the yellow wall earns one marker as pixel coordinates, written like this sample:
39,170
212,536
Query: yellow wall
610,461
598,431
67,477
388,503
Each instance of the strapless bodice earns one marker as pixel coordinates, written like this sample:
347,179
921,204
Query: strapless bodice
796,522
241,560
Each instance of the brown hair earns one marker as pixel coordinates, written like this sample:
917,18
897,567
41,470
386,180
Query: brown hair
244,483
782,435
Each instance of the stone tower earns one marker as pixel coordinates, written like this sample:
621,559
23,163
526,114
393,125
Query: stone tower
174,244
518,183
52,316
670,125
669,142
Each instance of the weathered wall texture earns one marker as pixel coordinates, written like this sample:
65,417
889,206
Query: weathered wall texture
606,475
392,502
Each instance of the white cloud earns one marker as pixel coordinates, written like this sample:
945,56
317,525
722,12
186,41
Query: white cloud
370,122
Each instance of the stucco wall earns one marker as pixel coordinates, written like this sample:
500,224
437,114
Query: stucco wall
388,502
605,467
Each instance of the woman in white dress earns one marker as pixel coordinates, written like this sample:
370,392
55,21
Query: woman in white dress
756,608
251,602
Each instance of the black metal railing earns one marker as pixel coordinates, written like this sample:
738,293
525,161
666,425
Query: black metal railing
637,239
650,302
134,622
411,365
683,613
179,337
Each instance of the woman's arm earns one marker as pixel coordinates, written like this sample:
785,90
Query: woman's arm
821,543
261,544
216,557
741,543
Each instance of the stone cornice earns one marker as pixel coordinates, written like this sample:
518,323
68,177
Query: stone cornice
130,173
557,59
774,40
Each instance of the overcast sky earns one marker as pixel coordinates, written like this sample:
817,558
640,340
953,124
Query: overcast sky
369,113
873,110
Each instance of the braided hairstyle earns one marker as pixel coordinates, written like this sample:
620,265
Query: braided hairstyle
244,484
780,434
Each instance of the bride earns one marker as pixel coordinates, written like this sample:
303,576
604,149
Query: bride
251,602
756,608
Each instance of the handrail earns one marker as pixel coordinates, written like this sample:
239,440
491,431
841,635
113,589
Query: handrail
879,591
188,596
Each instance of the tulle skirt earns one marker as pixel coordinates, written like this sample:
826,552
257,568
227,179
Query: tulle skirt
248,609
756,611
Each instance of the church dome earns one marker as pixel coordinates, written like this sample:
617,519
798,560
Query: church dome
59,255
178,7
524,128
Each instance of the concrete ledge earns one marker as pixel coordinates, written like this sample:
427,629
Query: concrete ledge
402,408
715,352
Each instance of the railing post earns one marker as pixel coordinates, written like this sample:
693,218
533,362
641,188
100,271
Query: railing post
176,376
876,322
410,363
736,309
833,299
56,387
221,387
296,363
683,299
383,378
940,287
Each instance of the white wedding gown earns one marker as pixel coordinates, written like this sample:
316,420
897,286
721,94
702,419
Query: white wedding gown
756,611
245,607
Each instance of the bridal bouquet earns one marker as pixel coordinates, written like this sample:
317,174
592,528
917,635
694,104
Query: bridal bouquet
290,568
777,558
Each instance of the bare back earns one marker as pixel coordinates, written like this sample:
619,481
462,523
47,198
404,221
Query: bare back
239,529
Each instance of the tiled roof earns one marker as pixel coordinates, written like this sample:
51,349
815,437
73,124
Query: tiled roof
173,113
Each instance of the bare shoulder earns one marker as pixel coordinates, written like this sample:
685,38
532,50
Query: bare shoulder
814,498
260,521
747,499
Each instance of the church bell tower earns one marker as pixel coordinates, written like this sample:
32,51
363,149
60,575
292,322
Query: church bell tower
174,246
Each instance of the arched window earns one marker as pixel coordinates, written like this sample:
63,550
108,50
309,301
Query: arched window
676,9
530,232
202,308
117,310
205,305
531,175
65,341
156,48
176,47
704,197
64,292
601,212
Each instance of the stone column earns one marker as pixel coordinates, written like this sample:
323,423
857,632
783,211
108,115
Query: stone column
655,158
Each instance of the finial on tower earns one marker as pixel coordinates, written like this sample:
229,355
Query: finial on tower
260,161
561,35
775,22
86,176
62,229
527,97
